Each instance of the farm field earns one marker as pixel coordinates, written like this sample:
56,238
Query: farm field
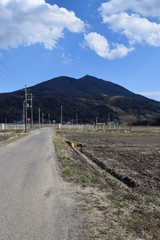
120,197
132,158
9,136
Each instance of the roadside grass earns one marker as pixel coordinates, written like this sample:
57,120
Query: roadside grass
73,167
139,213
115,211
7,137
143,223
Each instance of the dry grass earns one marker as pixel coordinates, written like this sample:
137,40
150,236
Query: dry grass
10,136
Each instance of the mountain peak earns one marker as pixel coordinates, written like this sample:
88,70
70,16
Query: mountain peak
89,97
88,77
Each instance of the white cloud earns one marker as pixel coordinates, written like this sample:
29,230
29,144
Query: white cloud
143,7
127,18
27,22
100,45
66,58
153,95
135,28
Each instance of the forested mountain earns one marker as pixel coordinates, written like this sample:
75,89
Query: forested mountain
83,99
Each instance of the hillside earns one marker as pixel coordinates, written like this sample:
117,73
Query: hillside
85,99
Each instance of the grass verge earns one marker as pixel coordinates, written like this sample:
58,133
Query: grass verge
7,137
73,167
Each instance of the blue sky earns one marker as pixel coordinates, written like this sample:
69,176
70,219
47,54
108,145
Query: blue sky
116,40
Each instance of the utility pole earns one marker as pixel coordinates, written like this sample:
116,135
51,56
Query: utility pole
49,117
61,120
39,117
96,123
30,105
76,118
42,118
24,112
25,108
26,105
31,111
109,117
148,119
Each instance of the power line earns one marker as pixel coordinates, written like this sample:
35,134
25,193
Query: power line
14,95
6,75
5,78
9,73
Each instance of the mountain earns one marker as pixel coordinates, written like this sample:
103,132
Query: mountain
83,100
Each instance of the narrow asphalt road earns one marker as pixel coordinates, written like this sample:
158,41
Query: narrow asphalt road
35,203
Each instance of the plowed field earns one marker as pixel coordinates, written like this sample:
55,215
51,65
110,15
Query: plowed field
134,159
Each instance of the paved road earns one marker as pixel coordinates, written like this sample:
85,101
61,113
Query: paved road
35,203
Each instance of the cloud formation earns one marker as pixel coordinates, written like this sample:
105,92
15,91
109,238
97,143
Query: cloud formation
146,8
100,45
133,20
27,22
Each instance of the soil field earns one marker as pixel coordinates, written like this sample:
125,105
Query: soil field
9,136
6,135
134,159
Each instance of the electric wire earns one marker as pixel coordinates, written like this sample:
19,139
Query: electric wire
6,75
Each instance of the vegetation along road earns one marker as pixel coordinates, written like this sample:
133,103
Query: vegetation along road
35,203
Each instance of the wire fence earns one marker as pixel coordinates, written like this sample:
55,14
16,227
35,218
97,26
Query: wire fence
81,127
5,127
